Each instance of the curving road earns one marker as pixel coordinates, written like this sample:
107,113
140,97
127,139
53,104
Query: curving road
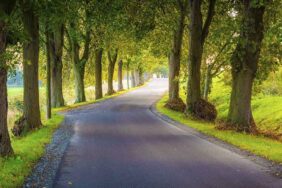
120,143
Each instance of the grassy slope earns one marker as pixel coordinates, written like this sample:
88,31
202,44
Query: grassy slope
265,147
267,109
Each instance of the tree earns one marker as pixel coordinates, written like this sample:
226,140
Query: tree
53,17
111,68
75,37
133,83
6,8
98,74
244,66
198,34
48,75
57,43
120,78
175,102
219,45
31,114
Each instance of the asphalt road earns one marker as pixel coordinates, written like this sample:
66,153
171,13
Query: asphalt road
120,143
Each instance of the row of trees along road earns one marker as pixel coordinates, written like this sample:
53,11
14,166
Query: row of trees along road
223,35
199,40
68,34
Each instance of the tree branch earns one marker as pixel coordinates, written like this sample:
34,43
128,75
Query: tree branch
208,21
85,55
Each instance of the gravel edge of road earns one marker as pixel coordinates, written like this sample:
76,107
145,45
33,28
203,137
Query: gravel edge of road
44,172
271,167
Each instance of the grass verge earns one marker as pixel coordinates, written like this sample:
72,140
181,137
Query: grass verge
259,145
28,150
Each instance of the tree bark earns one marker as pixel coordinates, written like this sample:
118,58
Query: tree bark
48,74
98,74
175,54
136,76
5,143
198,34
30,68
133,83
79,70
140,76
111,69
120,84
79,65
244,67
57,44
127,75
208,81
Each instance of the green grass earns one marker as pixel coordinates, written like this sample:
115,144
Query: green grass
28,150
15,91
259,145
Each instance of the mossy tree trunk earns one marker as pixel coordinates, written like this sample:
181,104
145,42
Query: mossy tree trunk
57,44
78,69
111,69
120,84
30,68
197,36
244,67
79,63
98,74
5,143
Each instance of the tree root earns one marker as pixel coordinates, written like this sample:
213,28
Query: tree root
203,110
19,127
110,93
176,105
226,125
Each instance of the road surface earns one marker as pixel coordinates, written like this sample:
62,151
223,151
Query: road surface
120,143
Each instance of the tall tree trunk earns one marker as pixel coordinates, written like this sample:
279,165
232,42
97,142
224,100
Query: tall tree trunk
30,68
127,75
244,67
98,74
198,34
136,76
140,76
111,69
175,102
120,84
133,83
5,143
208,81
80,62
57,43
48,74
79,70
